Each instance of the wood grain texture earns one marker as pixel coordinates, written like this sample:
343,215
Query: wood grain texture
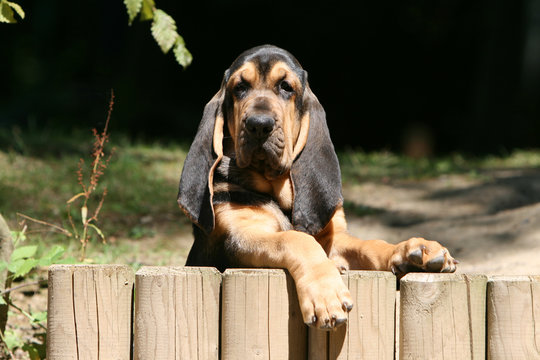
513,316
61,332
369,332
442,316
177,313
177,316
89,312
261,318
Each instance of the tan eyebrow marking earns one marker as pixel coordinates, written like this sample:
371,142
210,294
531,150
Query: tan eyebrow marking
246,72
281,71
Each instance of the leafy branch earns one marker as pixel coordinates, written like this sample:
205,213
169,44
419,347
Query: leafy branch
8,10
163,28
163,25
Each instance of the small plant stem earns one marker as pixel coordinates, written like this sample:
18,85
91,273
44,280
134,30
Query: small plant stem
30,317
84,241
61,229
83,250
73,227
7,291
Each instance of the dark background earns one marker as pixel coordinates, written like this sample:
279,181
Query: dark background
451,75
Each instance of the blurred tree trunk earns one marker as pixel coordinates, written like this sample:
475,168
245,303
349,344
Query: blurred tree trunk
6,247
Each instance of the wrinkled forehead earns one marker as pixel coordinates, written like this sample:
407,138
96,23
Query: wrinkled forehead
264,60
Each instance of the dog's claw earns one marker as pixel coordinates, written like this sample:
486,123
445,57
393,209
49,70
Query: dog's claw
436,264
417,256
348,307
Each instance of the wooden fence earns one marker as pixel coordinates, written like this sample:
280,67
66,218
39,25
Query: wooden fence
108,312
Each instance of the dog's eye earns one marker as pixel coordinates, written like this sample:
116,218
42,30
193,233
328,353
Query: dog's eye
241,89
286,87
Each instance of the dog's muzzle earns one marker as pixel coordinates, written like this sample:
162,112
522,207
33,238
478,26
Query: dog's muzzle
260,126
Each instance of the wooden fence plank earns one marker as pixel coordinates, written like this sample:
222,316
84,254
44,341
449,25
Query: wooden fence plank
86,315
442,316
177,316
513,315
369,333
61,333
261,318
177,313
89,312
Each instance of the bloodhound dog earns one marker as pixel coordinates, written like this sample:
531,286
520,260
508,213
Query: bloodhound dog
262,185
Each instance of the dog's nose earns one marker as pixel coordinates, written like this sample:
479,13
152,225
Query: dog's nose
260,126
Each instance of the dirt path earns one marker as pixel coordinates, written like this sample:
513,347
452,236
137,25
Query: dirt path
490,222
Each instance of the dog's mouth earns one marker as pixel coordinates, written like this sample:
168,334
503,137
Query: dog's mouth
263,154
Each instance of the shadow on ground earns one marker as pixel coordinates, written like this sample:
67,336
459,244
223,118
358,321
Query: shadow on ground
490,222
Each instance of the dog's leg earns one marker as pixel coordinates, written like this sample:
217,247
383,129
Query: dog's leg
256,238
415,254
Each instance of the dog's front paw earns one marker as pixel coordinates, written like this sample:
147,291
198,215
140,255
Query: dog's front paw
324,298
420,255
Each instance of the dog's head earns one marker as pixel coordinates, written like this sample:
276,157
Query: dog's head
277,127
263,105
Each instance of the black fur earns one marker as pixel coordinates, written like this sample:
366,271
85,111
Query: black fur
194,190
316,175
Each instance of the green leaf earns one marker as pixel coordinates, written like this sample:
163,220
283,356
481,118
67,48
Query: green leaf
52,256
3,265
18,236
133,7
98,230
39,316
181,53
17,8
14,265
55,253
147,10
23,252
32,351
25,267
164,30
6,13
12,339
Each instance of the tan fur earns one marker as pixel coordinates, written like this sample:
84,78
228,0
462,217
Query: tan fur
283,192
302,130
260,241
226,187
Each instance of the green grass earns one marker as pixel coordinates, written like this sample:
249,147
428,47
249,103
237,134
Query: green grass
361,166
141,181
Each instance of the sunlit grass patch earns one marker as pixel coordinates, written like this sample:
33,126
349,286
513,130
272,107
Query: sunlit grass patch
516,159
357,166
141,180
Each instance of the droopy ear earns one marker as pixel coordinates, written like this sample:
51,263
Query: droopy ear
315,173
195,190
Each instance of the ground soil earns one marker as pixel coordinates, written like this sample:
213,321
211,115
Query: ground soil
489,221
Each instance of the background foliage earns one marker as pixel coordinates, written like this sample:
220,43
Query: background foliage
460,75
